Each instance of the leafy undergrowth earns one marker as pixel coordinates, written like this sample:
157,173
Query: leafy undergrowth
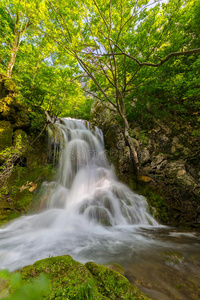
63,278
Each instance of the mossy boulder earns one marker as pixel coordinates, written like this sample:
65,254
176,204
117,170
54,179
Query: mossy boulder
6,131
112,284
69,279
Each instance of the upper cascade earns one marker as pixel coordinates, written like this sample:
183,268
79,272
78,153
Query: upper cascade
86,183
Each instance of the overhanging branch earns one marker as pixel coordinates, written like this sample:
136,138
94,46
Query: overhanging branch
162,61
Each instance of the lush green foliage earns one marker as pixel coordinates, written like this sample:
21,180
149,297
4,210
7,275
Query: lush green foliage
44,77
118,46
20,290
172,92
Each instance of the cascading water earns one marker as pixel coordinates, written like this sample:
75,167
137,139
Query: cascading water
85,200
87,185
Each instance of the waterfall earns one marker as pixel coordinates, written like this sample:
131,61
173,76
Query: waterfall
86,202
86,183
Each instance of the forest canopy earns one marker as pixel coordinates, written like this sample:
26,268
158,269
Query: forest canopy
140,56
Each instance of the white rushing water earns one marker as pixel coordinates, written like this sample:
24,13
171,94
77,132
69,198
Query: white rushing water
88,209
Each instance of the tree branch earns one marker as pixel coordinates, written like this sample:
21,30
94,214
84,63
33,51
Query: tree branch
162,61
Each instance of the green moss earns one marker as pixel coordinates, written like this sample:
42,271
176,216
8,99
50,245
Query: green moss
113,285
20,193
22,200
37,118
37,155
12,287
6,206
4,284
20,139
64,278
20,116
158,204
6,131
5,104
68,279
132,182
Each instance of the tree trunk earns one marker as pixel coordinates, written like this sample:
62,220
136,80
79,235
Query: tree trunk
122,113
15,47
11,62
131,145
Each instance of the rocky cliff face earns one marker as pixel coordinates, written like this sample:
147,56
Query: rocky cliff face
169,165
22,161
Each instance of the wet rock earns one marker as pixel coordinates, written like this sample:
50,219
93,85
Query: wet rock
115,143
124,160
177,147
192,166
172,258
100,215
144,157
116,267
162,127
164,143
114,138
177,170
159,162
